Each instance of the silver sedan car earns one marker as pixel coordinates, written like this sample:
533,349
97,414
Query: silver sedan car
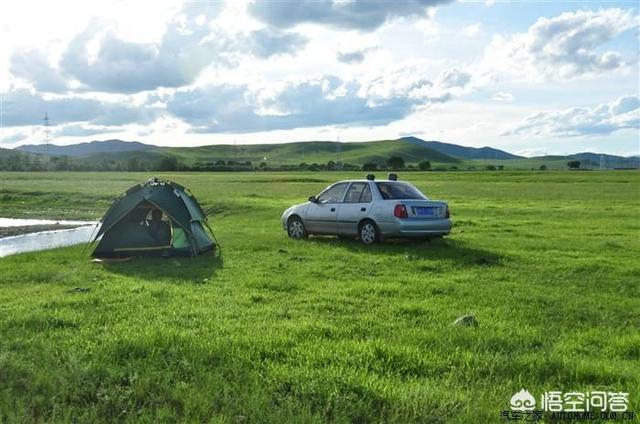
369,210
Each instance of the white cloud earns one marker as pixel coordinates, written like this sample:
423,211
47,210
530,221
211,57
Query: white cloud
31,62
411,79
566,46
24,108
313,102
472,30
428,26
353,14
532,152
308,103
81,130
98,59
603,119
502,96
453,78
266,43
356,56
13,136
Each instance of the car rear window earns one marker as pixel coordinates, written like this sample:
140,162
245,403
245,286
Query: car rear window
399,190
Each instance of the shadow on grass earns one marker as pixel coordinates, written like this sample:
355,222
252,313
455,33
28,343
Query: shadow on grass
415,249
199,269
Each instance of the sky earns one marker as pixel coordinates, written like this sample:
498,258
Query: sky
529,77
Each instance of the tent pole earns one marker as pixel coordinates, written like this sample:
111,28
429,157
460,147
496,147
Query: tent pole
206,222
91,240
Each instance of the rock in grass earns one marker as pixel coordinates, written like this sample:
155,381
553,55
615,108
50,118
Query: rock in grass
79,290
486,261
467,321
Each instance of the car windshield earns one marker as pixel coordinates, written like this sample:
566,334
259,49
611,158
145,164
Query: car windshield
398,190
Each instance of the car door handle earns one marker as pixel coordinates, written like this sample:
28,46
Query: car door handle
363,209
333,209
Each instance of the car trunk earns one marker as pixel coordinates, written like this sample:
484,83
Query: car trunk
425,209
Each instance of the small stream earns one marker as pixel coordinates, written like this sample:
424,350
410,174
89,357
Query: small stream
17,222
44,239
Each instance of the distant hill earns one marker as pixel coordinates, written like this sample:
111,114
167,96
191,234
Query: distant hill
412,149
311,152
283,153
463,152
608,161
87,149
588,160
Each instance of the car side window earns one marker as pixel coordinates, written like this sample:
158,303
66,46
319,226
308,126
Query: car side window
333,194
354,193
365,197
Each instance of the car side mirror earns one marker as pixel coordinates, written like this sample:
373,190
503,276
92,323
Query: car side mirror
313,199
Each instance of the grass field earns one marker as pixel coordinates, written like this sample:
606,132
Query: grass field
277,330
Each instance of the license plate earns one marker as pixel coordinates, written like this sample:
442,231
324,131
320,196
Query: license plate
426,210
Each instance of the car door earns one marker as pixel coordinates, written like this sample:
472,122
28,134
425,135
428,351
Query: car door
355,206
322,215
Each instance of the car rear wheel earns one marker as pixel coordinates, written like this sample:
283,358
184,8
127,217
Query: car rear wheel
368,232
295,228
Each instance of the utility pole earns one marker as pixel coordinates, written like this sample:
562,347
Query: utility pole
338,154
47,133
235,150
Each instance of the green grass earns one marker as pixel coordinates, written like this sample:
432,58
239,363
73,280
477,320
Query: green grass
277,330
551,162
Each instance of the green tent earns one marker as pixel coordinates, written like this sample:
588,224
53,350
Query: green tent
155,218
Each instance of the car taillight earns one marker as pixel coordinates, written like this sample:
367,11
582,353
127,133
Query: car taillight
447,214
400,211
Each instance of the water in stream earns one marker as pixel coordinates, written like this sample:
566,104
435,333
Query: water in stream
44,239
17,222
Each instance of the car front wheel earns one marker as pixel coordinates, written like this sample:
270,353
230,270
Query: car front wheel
369,233
295,228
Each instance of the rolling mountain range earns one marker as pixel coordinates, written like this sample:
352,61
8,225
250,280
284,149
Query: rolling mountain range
411,149
86,149
462,152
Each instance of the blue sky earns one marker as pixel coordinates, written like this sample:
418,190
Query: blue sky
532,78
